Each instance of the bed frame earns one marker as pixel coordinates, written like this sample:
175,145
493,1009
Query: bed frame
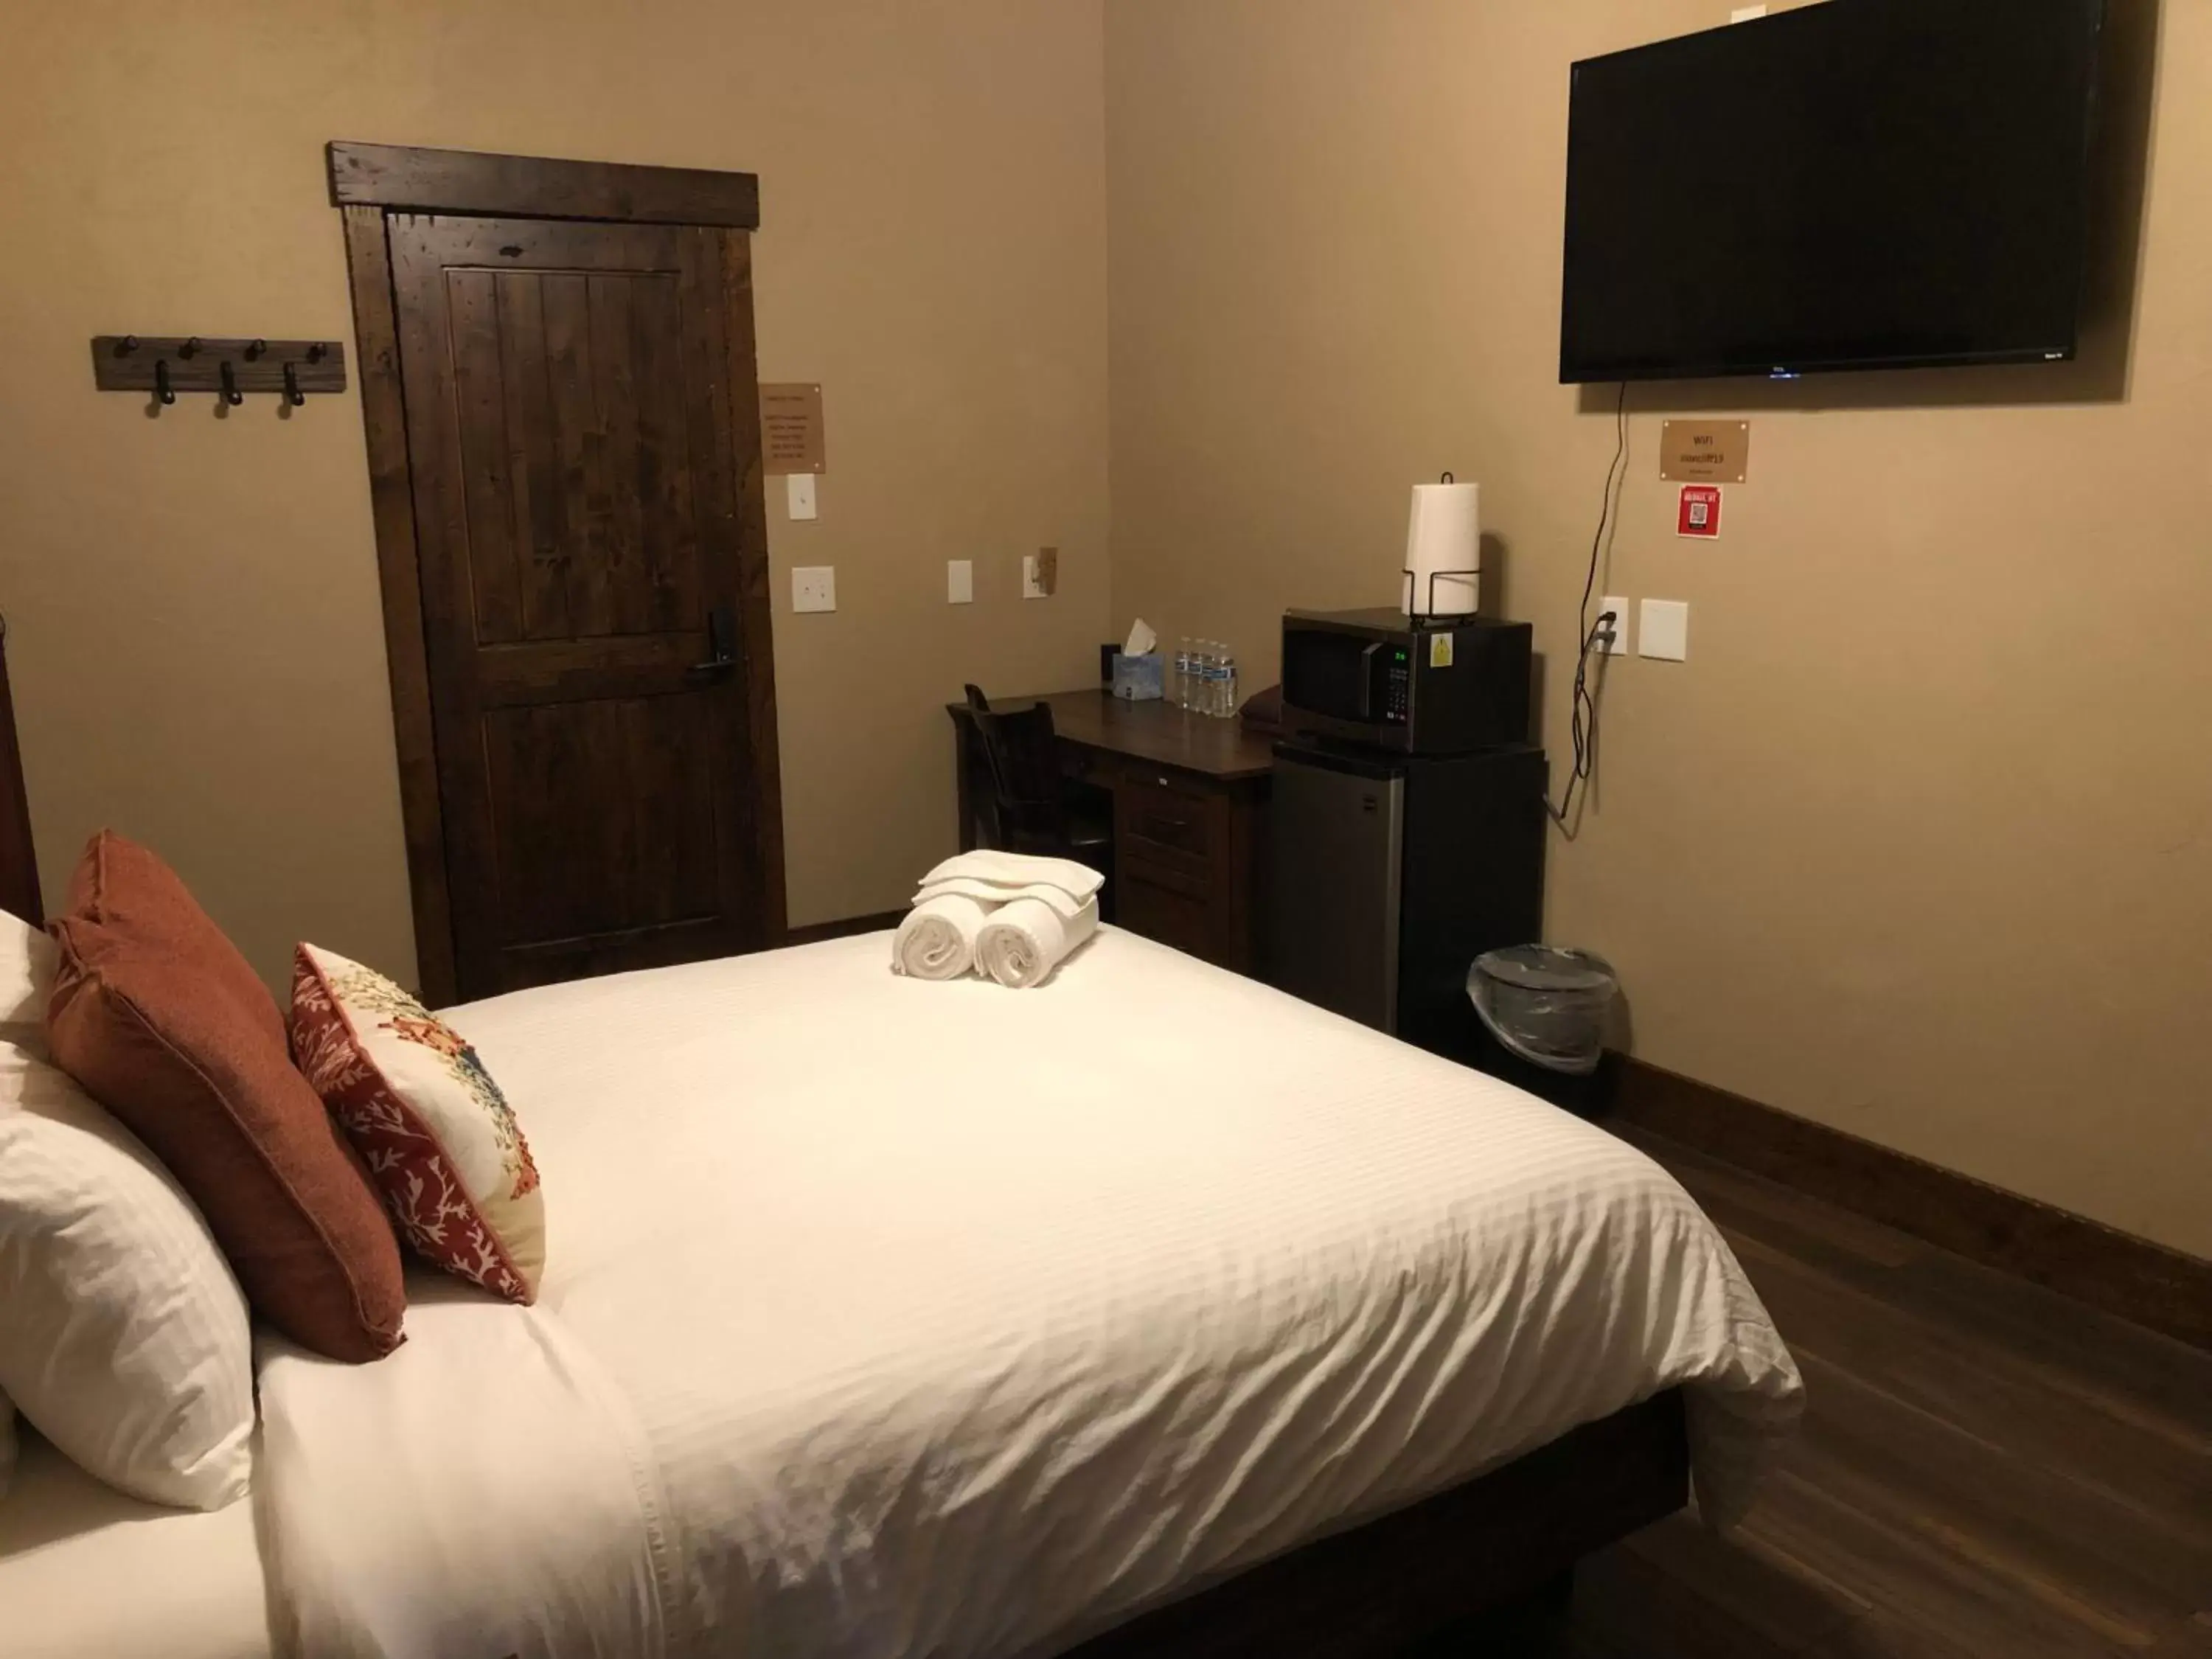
1507,1538
19,861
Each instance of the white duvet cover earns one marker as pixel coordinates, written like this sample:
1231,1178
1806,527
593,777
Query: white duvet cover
884,1318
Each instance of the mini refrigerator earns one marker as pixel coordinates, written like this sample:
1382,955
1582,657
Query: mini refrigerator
1392,873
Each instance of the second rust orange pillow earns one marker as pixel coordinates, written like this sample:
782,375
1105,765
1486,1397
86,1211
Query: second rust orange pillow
162,1020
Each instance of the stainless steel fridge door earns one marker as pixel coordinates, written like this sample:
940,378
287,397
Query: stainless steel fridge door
1339,839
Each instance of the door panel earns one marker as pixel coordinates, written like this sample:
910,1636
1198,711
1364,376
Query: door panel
472,322
573,446
535,502
664,473
573,395
581,863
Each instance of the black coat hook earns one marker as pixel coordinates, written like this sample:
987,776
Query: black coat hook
163,392
292,395
231,394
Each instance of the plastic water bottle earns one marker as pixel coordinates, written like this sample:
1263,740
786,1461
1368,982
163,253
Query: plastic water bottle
1228,685
1217,679
1182,672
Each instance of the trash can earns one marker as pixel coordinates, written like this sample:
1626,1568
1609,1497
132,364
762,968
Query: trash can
1545,1009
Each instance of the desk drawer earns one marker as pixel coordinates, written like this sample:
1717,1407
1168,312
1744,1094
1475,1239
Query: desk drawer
1158,904
1180,828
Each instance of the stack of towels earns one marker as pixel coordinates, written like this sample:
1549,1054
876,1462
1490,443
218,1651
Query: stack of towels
1008,916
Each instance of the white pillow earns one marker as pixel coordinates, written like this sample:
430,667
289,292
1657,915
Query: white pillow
124,1337
28,957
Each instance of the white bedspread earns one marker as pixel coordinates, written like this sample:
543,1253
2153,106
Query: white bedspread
887,1318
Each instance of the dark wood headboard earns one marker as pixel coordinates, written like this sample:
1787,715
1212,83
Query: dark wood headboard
19,861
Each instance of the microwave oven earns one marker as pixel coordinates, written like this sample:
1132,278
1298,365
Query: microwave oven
1413,686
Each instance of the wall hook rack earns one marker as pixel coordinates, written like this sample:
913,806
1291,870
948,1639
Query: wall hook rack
168,364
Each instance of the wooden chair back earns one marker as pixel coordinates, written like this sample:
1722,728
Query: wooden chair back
1028,813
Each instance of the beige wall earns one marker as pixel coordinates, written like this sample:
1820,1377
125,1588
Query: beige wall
196,639
1946,704
1919,843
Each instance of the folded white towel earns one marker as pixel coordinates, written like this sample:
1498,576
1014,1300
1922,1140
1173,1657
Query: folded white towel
988,895
1026,939
1077,881
937,940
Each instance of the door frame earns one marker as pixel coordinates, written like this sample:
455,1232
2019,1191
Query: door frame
370,181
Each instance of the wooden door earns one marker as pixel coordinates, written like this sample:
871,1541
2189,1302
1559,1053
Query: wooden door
582,444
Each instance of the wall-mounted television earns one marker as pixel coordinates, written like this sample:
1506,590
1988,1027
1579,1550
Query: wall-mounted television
1861,184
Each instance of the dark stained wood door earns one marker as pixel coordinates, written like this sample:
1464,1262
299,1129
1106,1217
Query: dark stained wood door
582,441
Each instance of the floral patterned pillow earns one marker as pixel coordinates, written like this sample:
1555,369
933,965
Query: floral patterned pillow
440,1139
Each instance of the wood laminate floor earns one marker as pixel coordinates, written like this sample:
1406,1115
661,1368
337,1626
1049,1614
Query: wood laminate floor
1986,1470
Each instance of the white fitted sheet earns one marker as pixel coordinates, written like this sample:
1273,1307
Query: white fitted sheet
884,1318
88,1573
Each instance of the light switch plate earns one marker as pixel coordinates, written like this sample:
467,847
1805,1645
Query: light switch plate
1619,607
1036,583
1663,630
814,587
960,581
798,492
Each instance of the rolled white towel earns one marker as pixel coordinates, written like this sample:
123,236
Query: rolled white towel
1024,940
1014,870
989,896
937,940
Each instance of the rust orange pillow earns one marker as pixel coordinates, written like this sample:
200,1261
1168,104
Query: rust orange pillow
160,1019
438,1136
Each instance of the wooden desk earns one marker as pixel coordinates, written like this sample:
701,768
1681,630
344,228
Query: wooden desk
1190,802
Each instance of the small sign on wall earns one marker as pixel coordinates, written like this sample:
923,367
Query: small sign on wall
790,428
1718,451
1699,514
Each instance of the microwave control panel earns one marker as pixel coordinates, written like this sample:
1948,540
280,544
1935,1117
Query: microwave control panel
1398,690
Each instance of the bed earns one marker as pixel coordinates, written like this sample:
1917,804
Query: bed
1151,1311
891,1317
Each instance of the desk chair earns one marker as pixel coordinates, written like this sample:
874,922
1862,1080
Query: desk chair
1029,811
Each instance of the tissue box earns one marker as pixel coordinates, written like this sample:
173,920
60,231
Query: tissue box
1139,679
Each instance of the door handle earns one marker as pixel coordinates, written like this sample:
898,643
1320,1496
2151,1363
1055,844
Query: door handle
722,627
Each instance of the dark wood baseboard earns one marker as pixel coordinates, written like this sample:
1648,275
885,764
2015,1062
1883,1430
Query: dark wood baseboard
815,932
2149,1284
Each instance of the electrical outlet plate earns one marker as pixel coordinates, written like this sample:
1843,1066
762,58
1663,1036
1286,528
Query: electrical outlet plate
798,495
1036,580
1663,630
1619,607
814,588
960,581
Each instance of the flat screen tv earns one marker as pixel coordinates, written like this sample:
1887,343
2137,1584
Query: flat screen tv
1862,184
